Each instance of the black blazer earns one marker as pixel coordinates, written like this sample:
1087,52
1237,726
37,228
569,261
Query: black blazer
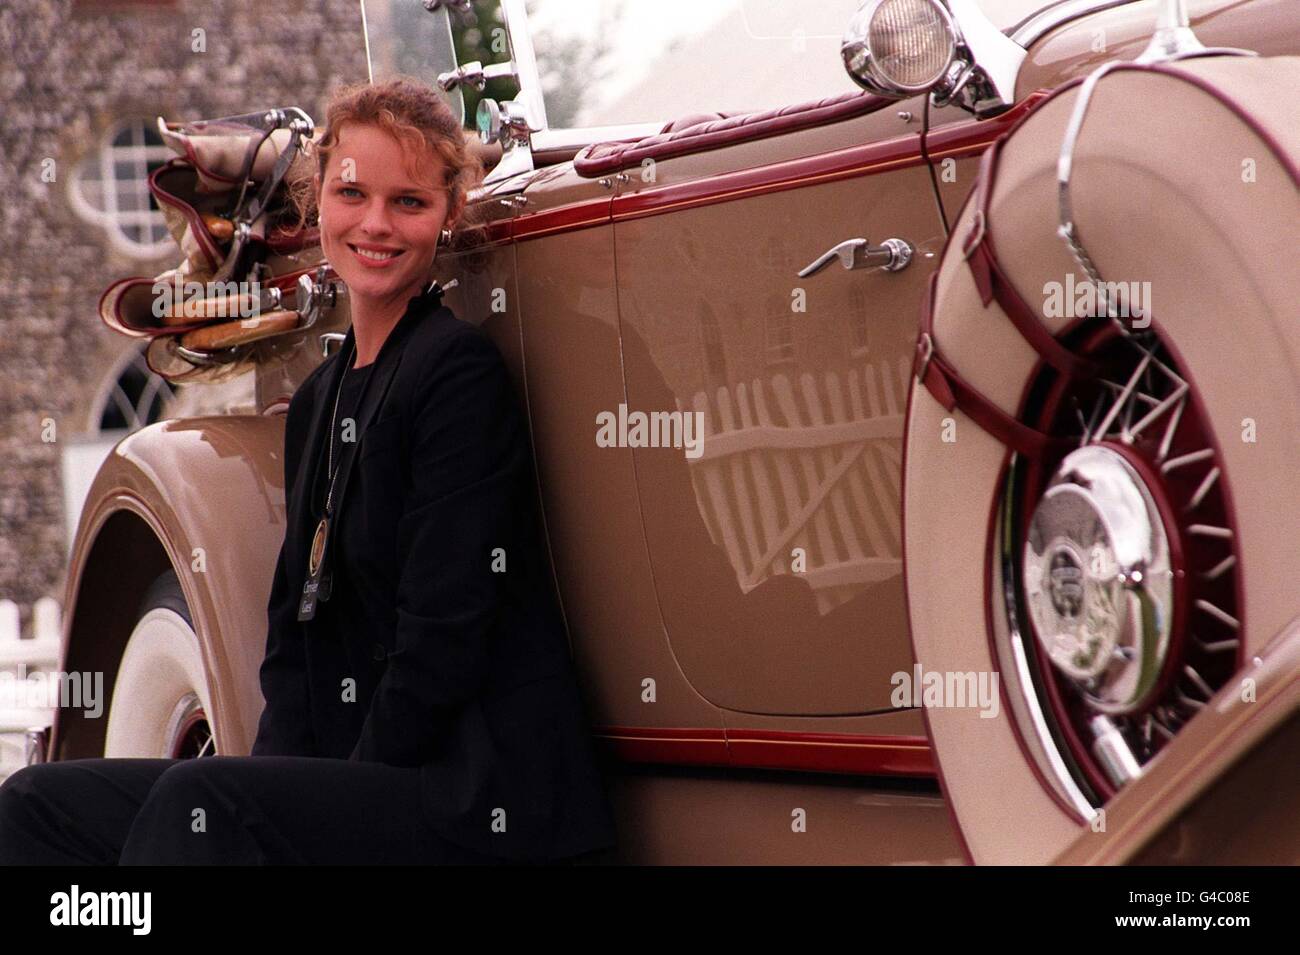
441,645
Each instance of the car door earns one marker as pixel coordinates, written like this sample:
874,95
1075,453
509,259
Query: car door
743,605
568,306
775,542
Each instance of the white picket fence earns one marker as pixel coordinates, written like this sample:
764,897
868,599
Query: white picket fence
20,657
815,464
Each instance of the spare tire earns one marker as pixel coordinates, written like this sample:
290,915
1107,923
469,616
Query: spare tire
1022,564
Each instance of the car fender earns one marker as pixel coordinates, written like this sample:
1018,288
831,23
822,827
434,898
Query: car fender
204,496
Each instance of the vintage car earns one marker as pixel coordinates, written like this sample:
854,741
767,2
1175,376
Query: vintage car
974,549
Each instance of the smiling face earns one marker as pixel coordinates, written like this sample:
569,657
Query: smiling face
380,220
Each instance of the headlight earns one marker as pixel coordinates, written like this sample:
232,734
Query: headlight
895,47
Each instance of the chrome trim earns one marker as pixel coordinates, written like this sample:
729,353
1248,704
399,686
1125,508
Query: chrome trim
186,707
862,64
525,61
330,338
475,74
1032,29
892,255
1171,40
507,124
524,116
462,10
1026,705
36,745
313,295
1174,39
576,137
207,359
1098,577
1117,760
996,55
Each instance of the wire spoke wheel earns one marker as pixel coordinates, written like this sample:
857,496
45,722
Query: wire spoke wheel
189,735
1118,559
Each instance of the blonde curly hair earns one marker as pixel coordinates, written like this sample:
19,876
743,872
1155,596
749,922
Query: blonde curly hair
414,115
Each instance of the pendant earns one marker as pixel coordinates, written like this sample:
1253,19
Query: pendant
312,589
318,547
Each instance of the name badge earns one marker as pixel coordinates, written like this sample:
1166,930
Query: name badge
318,584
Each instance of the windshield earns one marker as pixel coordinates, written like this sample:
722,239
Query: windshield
616,62
1006,14
403,38
613,62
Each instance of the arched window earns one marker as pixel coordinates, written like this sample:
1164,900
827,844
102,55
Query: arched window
134,397
110,187
130,397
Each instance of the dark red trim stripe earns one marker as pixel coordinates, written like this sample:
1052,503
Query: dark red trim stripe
675,745
848,163
972,137
843,753
957,139
600,159
567,218
832,752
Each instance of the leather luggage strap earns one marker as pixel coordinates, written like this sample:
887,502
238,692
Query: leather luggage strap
939,377
993,284
955,393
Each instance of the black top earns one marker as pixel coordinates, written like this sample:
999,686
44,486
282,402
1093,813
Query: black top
338,715
442,645
349,399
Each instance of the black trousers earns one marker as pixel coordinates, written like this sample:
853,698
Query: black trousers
234,810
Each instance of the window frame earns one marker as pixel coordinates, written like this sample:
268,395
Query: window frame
110,218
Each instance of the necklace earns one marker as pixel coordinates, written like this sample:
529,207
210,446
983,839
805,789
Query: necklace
318,585
330,469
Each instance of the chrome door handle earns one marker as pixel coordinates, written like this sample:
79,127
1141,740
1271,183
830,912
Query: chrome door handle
330,338
892,255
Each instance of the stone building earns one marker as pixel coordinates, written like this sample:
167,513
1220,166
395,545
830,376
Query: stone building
82,83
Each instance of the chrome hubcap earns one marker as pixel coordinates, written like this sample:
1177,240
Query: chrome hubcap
1117,556
1098,579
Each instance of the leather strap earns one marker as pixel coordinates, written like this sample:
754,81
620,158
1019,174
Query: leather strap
994,285
955,393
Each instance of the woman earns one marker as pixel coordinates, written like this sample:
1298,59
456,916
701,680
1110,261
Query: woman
420,700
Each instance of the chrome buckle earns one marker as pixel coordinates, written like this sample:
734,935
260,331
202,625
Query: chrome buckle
976,235
926,344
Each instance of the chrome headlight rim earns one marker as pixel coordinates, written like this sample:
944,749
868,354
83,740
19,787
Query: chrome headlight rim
859,58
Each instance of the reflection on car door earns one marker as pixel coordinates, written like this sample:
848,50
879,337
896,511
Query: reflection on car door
776,551
641,703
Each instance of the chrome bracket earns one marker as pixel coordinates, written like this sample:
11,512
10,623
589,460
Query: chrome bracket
892,255
314,295
1173,40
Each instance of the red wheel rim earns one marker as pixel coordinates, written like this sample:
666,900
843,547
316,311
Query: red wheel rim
1176,457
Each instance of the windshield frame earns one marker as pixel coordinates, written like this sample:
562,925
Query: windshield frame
1053,14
